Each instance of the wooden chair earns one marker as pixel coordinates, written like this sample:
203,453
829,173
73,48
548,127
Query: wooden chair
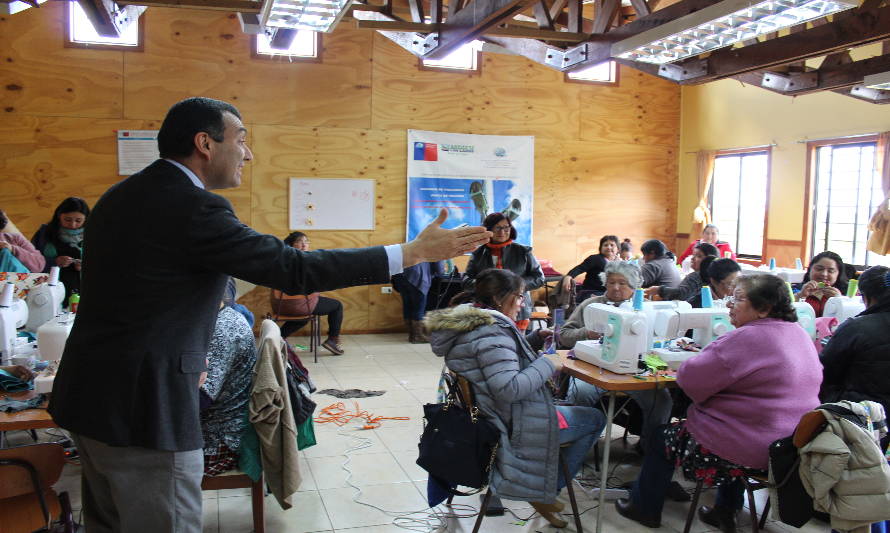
236,479
27,500
314,320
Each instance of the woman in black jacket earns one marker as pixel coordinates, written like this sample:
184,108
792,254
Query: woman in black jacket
502,252
61,241
593,265
856,360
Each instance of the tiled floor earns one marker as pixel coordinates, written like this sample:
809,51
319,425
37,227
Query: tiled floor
384,468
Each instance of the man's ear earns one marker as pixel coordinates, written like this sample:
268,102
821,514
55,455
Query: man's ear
202,144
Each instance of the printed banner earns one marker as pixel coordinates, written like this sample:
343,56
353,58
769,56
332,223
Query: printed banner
471,176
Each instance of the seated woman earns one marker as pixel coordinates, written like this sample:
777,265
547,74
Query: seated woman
19,248
626,250
709,234
719,275
826,278
512,383
61,241
621,279
226,391
692,283
319,305
856,360
749,386
658,265
593,266
502,252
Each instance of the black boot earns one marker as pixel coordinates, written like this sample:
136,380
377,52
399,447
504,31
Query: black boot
718,517
408,324
626,509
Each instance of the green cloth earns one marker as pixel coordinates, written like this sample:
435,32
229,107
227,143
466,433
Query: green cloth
249,460
305,434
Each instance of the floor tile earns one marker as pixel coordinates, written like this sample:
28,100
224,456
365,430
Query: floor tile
367,469
332,444
210,515
306,514
394,498
403,439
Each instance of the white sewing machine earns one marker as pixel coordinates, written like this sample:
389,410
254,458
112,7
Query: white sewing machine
625,337
806,317
13,315
45,301
52,336
651,309
843,307
791,275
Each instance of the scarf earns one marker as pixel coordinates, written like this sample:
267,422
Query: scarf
74,237
497,252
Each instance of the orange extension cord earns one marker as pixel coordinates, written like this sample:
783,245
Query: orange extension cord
338,414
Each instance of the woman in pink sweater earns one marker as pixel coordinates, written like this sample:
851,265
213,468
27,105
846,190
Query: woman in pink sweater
748,388
20,247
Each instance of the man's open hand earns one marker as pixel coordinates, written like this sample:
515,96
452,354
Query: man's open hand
436,243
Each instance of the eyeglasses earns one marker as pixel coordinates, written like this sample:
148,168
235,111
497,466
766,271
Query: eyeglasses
519,296
500,228
732,300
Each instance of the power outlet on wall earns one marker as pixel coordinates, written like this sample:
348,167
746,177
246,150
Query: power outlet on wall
386,290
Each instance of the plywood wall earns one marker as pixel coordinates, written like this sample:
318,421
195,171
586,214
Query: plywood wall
606,157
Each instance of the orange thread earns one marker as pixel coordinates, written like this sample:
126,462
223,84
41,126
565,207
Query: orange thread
338,414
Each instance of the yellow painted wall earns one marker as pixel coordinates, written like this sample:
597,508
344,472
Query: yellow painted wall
605,157
727,114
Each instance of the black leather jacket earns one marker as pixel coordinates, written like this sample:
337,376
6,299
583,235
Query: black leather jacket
517,259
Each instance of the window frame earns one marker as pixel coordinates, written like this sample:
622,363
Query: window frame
810,194
768,150
68,42
284,58
454,70
616,67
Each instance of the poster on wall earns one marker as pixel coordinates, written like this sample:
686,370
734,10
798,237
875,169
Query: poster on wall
471,176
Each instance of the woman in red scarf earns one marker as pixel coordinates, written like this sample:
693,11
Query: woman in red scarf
502,252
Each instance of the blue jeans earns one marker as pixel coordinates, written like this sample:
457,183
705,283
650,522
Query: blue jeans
650,488
585,426
656,404
413,299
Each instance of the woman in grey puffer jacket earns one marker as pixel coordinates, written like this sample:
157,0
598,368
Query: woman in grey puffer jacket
511,382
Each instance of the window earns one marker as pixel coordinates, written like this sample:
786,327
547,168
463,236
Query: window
80,32
464,58
305,46
602,74
739,191
847,191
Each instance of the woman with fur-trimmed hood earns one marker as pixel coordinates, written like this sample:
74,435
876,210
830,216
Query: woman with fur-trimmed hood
480,342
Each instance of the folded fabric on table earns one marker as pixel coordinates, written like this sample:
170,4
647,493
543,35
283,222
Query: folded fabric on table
8,405
11,383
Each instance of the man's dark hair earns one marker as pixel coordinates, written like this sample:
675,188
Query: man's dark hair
188,118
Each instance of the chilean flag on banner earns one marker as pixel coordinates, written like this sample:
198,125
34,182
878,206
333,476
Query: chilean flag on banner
426,152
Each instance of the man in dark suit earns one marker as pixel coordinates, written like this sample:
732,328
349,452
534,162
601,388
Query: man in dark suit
158,250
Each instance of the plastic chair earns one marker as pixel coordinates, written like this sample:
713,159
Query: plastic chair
313,319
27,500
236,479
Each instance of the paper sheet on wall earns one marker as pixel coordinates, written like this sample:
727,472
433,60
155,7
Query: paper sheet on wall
136,149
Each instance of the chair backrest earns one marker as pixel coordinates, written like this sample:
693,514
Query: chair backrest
48,459
292,306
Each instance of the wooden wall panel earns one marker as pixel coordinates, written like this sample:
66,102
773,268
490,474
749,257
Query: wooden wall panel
37,75
643,110
785,252
47,159
190,52
605,157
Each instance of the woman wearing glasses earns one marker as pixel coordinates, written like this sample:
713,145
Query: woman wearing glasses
749,386
513,390
502,252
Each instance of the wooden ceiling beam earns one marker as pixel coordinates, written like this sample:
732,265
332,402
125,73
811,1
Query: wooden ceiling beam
641,7
416,7
237,6
606,11
542,15
862,27
468,23
508,32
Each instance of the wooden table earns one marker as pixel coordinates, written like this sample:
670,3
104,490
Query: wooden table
24,420
612,383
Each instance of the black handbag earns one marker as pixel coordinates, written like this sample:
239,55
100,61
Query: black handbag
458,446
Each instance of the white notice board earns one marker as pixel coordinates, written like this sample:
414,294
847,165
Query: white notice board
333,203
136,149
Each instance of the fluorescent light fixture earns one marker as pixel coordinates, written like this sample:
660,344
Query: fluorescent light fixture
312,15
15,6
877,81
721,25
461,58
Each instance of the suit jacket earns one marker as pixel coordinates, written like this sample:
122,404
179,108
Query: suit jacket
129,373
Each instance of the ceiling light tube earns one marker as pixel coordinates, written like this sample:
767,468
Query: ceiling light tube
877,81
